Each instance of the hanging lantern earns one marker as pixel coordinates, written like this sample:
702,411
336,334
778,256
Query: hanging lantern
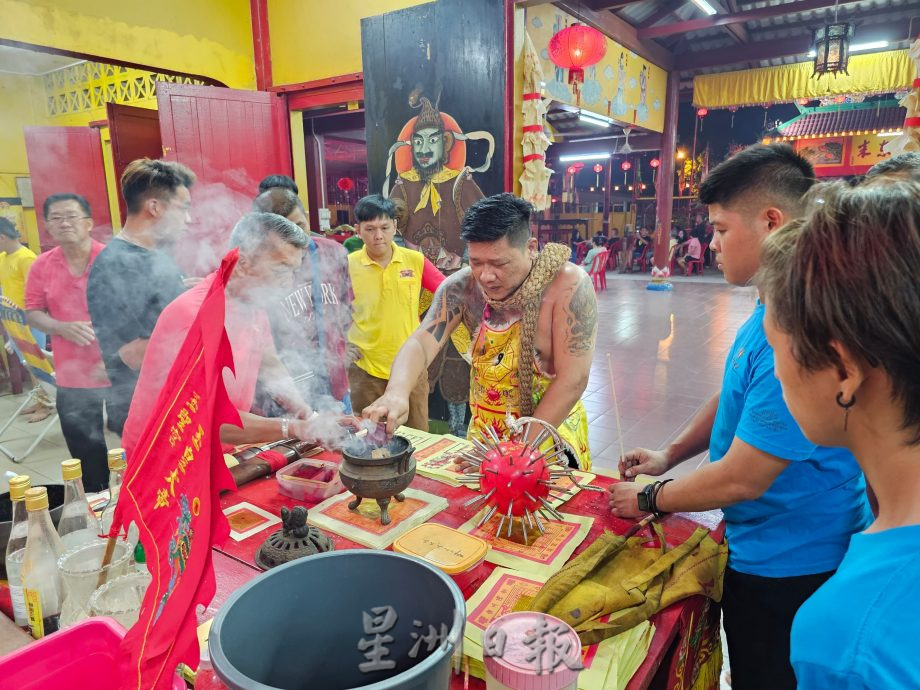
346,184
625,165
832,49
598,168
702,112
571,170
574,48
578,166
733,109
654,163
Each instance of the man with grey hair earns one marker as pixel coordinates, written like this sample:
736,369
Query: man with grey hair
270,250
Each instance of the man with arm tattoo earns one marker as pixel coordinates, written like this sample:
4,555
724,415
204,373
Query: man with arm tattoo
533,319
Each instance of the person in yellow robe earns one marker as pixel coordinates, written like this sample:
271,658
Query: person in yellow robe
533,320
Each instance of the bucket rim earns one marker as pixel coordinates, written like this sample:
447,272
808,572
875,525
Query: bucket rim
218,658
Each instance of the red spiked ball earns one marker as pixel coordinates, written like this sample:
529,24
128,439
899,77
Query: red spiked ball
519,476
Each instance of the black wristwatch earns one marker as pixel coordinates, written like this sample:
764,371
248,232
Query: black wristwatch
645,498
648,498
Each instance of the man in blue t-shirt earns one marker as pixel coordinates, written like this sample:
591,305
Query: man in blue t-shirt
790,506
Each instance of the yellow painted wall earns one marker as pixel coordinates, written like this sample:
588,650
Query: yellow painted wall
315,39
23,106
605,90
299,154
212,38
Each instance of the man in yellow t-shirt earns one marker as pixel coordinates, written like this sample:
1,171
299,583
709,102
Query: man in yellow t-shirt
15,262
387,281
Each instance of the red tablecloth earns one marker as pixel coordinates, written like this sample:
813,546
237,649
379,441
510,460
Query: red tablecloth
685,647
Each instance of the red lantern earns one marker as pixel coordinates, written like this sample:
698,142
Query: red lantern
598,167
654,162
625,165
702,112
346,184
576,47
578,166
571,170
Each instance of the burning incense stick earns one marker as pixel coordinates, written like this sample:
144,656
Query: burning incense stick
616,408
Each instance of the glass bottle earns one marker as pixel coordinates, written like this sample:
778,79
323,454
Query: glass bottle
78,524
117,466
42,586
16,547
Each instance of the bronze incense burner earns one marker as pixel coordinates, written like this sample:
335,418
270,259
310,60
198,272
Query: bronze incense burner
377,472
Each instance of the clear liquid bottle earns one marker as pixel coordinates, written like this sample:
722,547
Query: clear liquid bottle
16,547
78,523
42,586
117,466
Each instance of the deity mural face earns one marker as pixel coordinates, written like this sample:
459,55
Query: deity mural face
428,150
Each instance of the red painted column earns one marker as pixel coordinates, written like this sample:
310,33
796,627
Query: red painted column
664,187
261,43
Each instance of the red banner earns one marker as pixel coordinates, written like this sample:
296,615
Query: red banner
175,474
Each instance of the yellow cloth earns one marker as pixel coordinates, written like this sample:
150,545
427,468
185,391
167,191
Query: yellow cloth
14,269
430,192
617,576
494,390
872,73
386,307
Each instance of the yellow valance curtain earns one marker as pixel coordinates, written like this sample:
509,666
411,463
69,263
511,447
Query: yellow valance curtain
873,73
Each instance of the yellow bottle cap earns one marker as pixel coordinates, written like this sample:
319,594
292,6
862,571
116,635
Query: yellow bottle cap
116,458
18,486
37,499
71,469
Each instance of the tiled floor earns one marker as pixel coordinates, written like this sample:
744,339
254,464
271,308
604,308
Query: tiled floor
668,350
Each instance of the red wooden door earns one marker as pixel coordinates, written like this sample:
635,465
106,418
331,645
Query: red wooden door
230,139
135,133
68,159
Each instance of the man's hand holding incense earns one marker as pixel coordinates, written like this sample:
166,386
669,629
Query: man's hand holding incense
390,407
643,461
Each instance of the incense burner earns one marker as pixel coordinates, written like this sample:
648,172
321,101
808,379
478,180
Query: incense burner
379,473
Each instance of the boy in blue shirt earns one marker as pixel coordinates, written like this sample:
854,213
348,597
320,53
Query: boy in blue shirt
790,506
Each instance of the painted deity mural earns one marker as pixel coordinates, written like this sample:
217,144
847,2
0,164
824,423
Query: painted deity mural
434,184
622,85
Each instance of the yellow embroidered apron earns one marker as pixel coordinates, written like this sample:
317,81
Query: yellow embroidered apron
494,390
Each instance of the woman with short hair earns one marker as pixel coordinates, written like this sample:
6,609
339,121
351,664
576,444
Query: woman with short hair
842,315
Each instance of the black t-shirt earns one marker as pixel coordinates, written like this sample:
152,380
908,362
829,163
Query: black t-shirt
127,289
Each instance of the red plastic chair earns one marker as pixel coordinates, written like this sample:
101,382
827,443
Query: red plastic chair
642,259
613,250
598,271
581,252
690,264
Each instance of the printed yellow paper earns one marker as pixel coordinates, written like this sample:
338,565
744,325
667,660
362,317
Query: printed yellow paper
608,665
363,525
542,554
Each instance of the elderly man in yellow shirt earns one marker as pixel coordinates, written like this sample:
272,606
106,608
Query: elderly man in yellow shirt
387,281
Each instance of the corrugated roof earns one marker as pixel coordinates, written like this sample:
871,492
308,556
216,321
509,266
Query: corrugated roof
872,119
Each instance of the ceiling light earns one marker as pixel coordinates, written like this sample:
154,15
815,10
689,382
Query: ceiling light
896,133
583,157
705,6
859,47
594,119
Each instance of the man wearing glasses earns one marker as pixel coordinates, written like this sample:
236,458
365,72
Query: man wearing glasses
55,302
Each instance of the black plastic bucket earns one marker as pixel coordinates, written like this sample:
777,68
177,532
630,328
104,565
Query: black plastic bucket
301,626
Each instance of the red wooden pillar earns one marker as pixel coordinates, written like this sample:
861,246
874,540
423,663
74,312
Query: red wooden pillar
664,188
